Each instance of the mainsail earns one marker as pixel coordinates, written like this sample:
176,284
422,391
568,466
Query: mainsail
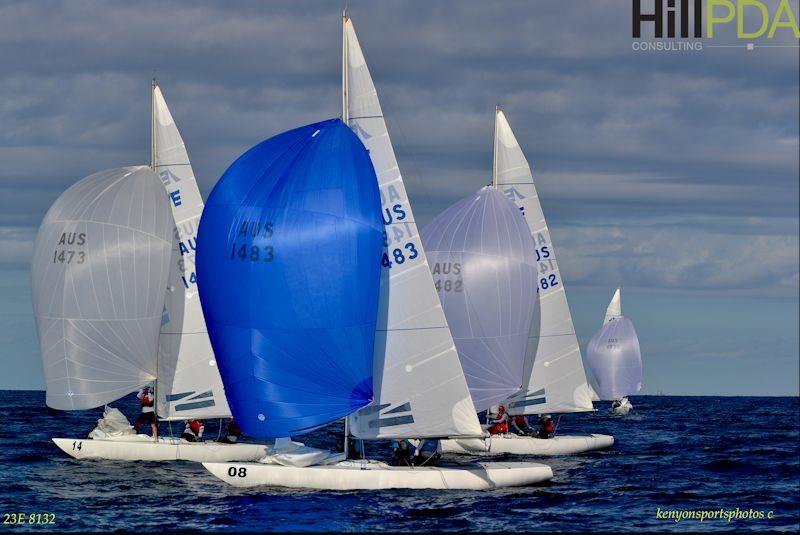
484,267
288,269
614,355
420,389
614,309
100,267
555,378
189,385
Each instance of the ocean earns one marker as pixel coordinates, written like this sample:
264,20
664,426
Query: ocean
673,455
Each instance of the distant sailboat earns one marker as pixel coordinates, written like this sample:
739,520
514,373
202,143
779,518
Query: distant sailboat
615,358
498,282
417,387
110,319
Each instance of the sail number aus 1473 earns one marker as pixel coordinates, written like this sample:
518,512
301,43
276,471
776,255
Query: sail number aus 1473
74,255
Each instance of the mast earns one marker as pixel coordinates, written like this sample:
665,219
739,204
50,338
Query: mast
153,86
494,148
345,110
345,120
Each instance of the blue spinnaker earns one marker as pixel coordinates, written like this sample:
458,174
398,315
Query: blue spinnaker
288,268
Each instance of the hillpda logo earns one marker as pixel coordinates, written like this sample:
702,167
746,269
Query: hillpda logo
681,25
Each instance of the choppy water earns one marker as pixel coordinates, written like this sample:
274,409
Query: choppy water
677,453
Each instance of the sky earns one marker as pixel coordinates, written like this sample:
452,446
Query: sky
671,173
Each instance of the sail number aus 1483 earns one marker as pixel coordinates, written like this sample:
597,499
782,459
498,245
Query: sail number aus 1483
399,256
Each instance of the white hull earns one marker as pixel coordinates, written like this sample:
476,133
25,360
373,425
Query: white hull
373,475
516,445
131,448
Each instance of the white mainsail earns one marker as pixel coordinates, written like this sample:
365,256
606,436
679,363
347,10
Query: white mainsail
555,378
100,266
420,389
189,384
614,309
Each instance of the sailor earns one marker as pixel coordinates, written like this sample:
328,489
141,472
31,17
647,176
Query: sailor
193,430
148,415
520,426
499,424
546,426
401,454
232,433
353,445
617,403
428,452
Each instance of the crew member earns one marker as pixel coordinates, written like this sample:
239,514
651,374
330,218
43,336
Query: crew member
499,424
401,455
546,426
232,433
148,415
428,452
520,426
193,430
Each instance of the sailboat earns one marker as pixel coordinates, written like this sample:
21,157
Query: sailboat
417,387
105,348
554,380
615,358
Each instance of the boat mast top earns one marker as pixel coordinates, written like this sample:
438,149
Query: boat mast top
494,147
345,87
153,86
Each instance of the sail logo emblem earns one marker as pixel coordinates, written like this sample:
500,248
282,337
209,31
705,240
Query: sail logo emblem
168,177
190,402
514,194
378,418
528,398
359,130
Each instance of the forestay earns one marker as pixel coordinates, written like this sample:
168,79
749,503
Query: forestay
614,355
288,267
189,385
484,268
100,266
555,378
420,389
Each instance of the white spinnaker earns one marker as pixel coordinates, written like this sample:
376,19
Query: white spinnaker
555,378
483,264
614,309
100,266
189,384
420,389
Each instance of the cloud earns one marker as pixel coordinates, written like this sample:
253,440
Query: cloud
665,150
